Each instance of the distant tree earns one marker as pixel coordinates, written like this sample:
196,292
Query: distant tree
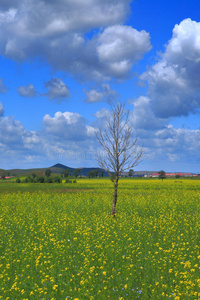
91,174
177,175
48,172
67,180
40,179
18,180
120,149
31,178
66,173
3,176
162,175
34,175
130,173
77,172
102,173
57,179
96,172
48,179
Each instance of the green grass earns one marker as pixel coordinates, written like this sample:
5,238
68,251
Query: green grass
58,241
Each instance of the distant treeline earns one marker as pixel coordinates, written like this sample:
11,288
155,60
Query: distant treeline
46,179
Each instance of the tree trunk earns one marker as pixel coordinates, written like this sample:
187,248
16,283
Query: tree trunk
113,210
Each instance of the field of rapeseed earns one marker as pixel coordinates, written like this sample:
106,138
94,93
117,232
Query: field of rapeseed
59,242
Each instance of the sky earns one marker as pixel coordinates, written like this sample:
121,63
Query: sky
63,62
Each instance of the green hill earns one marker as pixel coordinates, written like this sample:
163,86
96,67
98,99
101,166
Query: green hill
55,169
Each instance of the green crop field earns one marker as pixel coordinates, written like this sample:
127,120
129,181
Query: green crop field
58,241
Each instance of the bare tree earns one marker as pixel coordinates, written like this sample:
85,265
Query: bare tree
120,149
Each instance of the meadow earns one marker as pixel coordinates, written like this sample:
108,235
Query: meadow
58,241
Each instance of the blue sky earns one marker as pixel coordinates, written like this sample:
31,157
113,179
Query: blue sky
63,62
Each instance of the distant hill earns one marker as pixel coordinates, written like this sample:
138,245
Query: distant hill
57,168
60,166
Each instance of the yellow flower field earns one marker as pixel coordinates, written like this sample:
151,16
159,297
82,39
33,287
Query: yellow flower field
59,242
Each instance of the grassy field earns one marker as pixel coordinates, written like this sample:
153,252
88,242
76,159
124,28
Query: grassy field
58,241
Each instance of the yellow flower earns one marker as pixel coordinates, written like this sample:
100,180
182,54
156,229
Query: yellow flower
55,286
187,264
170,270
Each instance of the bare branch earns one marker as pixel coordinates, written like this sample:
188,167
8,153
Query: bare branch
121,152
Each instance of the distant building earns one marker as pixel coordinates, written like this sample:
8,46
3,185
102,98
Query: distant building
154,175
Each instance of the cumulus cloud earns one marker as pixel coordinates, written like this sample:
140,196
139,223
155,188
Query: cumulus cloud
31,139
143,117
119,47
16,143
67,126
48,18
103,113
172,149
174,81
27,91
101,118
67,136
93,96
104,93
57,31
11,132
14,137
182,142
57,89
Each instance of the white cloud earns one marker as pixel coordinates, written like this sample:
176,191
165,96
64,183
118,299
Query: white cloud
11,131
31,139
143,117
102,113
93,96
16,143
173,149
27,91
57,31
104,93
67,117
174,81
91,130
67,126
57,89
67,136
119,47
